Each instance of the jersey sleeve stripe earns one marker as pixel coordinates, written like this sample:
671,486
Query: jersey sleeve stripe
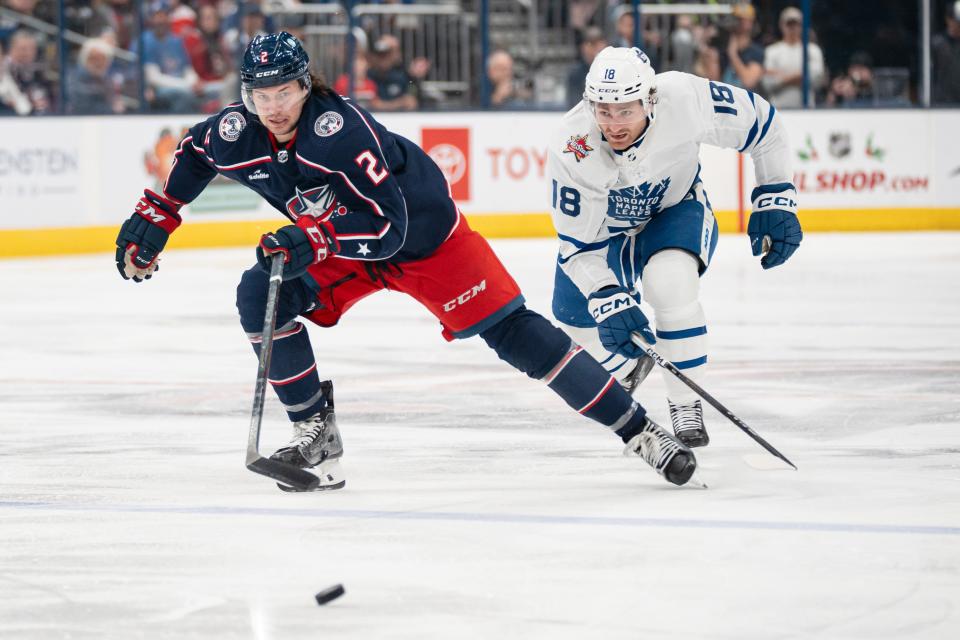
766,125
583,246
176,158
372,132
756,123
373,203
245,164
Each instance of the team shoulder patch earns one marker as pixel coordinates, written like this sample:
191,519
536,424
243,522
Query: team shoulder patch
328,124
231,125
577,145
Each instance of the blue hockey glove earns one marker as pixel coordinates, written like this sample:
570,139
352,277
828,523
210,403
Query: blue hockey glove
774,229
144,235
618,316
303,244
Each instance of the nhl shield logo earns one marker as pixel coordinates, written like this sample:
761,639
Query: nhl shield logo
231,125
283,155
328,124
577,145
839,144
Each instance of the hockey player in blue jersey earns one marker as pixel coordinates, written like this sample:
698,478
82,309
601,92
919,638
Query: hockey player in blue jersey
632,213
369,210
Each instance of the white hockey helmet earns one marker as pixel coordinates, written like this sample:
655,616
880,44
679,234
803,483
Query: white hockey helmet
621,74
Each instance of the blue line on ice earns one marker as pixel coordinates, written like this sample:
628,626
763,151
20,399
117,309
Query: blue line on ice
507,518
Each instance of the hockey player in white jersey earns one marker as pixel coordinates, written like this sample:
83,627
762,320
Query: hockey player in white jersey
633,217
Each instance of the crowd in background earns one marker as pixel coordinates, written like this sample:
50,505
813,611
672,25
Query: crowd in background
191,49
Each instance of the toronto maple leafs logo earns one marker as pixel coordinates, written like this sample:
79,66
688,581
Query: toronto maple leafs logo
318,202
577,145
637,203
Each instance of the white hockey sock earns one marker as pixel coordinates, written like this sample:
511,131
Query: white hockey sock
671,284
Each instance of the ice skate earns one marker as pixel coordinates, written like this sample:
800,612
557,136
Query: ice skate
316,445
638,375
665,454
688,425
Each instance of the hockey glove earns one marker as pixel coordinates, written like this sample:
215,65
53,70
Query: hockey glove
303,244
774,229
618,316
144,234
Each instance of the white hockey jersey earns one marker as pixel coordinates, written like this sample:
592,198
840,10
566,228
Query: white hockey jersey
598,193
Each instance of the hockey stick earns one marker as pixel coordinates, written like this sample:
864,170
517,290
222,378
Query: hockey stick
669,366
285,473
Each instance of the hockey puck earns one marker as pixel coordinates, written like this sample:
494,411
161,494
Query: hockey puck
334,592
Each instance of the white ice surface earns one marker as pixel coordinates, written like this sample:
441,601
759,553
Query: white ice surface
477,505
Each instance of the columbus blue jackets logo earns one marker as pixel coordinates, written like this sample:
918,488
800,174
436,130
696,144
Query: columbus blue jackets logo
318,202
637,203
231,125
328,124
577,145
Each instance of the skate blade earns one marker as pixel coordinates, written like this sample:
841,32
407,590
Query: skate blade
330,474
696,482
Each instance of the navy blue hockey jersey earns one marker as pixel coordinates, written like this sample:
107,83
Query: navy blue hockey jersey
384,196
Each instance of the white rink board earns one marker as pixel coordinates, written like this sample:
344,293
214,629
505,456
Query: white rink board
73,171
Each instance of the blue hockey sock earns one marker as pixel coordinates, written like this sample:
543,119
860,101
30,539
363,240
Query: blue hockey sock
591,391
293,371
528,342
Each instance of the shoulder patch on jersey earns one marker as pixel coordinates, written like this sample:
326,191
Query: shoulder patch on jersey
231,125
328,124
577,145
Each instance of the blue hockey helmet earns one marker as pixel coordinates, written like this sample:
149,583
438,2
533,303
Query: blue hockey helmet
272,59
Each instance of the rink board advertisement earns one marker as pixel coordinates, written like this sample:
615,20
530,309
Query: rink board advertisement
878,169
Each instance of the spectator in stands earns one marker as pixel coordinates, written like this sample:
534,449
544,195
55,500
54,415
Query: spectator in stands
706,64
209,54
505,93
183,18
364,91
28,72
683,45
946,59
172,83
10,24
92,91
119,17
592,42
741,58
783,63
243,26
623,26
397,90
12,100
234,27
855,87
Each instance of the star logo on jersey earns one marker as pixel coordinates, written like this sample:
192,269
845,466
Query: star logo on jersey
363,249
577,145
318,202
638,203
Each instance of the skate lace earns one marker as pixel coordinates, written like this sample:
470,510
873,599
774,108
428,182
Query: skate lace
686,417
657,449
307,431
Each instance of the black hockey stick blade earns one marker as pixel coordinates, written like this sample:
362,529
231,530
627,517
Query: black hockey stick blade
299,479
669,366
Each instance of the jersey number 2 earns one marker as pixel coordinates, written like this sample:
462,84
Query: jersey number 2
367,158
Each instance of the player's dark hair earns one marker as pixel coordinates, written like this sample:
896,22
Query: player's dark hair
318,86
